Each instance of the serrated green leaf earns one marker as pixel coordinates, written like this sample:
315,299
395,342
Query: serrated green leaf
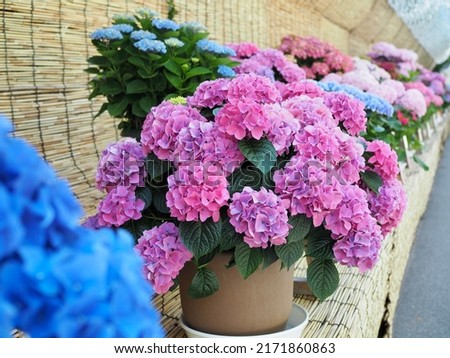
230,238
269,257
173,67
247,259
372,180
92,70
100,61
137,86
320,247
159,202
197,71
137,61
290,253
116,109
323,278
243,177
146,103
174,80
137,110
261,153
103,108
110,87
201,237
300,227
204,284
145,194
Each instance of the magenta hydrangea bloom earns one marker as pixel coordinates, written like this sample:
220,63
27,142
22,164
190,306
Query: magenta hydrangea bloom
384,160
306,187
210,94
245,118
162,126
121,163
388,205
351,211
91,222
244,49
413,100
430,96
347,110
197,192
164,255
361,247
119,206
260,216
251,87
202,142
308,88
283,127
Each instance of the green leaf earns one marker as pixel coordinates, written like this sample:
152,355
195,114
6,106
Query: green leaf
230,238
174,80
320,247
145,194
261,153
269,257
197,71
421,163
323,278
159,202
111,87
116,109
300,227
204,284
93,70
156,167
247,259
290,253
173,67
138,111
201,237
241,178
103,108
137,61
137,86
372,180
146,103
99,61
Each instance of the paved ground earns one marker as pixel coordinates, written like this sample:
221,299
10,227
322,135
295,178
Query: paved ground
423,309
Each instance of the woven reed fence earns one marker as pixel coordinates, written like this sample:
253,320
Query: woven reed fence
44,45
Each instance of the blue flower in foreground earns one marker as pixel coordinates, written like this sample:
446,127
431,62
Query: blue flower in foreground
165,24
153,46
371,101
58,279
123,28
214,48
108,34
142,34
225,71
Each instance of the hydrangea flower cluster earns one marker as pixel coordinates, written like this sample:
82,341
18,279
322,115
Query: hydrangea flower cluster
270,63
396,61
164,255
317,58
74,282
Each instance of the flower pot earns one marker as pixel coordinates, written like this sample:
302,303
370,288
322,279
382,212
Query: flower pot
261,304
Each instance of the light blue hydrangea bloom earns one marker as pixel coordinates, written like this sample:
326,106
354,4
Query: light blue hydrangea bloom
142,34
225,71
153,46
193,26
108,34
146,12
214,48
165,24
174,42
123,28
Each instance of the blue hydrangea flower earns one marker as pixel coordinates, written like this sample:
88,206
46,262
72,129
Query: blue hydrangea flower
74,282
123,28
193,26
371,101
146,12
174,42
142,34
214,48
153,46
165,24
108,34
225,71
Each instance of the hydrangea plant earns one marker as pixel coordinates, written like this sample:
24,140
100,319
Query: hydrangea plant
266,174
58,279
144,59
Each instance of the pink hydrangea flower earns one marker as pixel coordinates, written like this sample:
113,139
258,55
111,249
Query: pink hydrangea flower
164,255
414,101
244,49
297,88
310,111
197,192
91,222
347,110
245,118
307,188
384,160
251,87
260,216
388,205
320,69
430,96
361,247
162,125
119,206
283,127
360,79
121,163
210,94
352,211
